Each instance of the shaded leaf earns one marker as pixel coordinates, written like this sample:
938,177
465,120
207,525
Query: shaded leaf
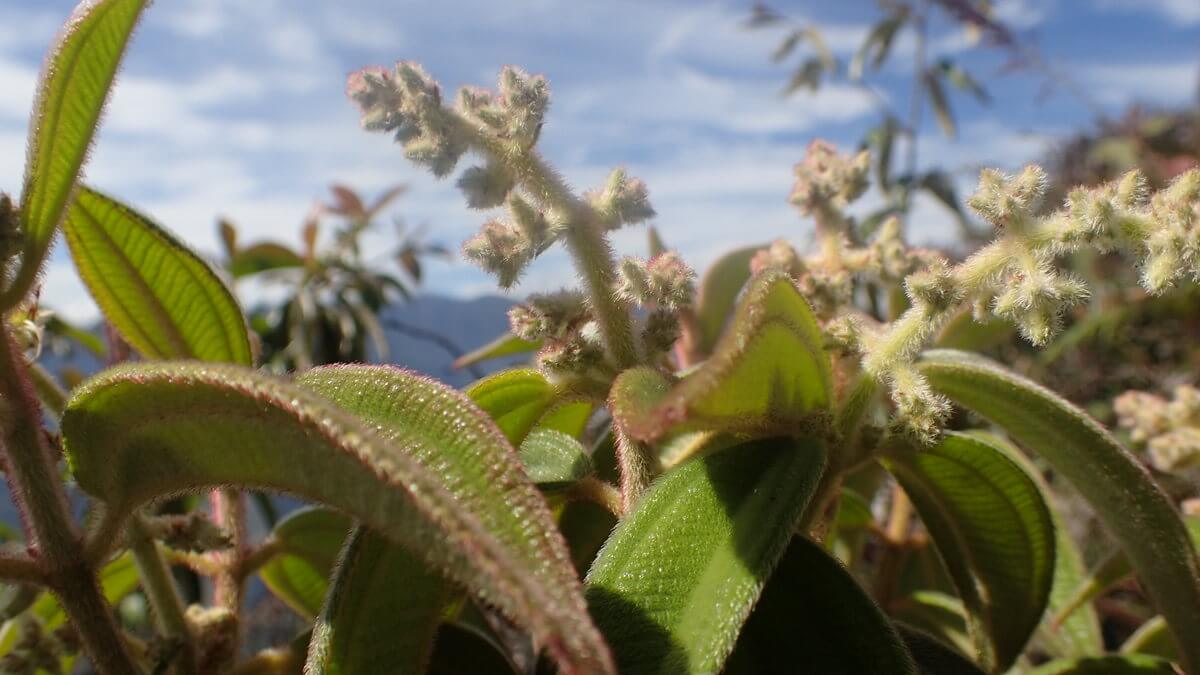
1118,488
381,613
937,614
311,539
459,650
769,373
992,530
422,466
787,46
261,257
814,618
941,106
876,46
807,76
164,299
719,291
1152,638
1129,664
505,345
74,86
934,657
553,458
673,585
960,79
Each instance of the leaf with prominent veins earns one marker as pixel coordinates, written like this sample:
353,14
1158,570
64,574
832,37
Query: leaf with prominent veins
425,468
768,374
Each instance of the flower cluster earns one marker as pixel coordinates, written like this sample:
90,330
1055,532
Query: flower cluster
1169,429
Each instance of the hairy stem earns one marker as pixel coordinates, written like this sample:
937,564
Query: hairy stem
163,596
601,492
54,539
635,462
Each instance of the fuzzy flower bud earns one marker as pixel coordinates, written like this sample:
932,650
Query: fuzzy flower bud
1036,299
486,186
933,287
501,249
1169,429
1173,249
532,222
780,255
549,315
524,98
577,353
192,532
665,282
1006,201
623,201
660,331
920,412
826,177
844,334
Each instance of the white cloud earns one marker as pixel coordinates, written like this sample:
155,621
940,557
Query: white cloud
1186,12
1121,84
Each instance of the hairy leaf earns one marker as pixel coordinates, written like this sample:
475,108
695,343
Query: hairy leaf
814,618
516,399
381,613
673,585
505,345
993,531
166,301
1124,496
553,458
1129,664
74,86
310,540
718,294
426,469
768,374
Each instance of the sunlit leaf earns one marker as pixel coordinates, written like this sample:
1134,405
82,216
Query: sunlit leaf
992,530
381,613
505,345
553,458
1118,488
516,399
718,293
422,466
73,89
166,301
769,373
310,540
814,618
673,585
262,257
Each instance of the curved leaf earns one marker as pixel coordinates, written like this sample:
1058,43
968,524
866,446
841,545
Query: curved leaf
166,301
814,618
1130,664
381,613
1151,638
505,345
673,585
768,374
992,530
74,85
516,399
719,291
934,657
458,650
1124,496
310,539
426,469
261,257
552,458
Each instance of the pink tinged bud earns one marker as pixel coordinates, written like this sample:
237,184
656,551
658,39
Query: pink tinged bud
624,201
826,177
501,249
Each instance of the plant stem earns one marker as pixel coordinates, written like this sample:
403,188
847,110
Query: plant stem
163,595
895,547
634,461
54,539
229,510
600,492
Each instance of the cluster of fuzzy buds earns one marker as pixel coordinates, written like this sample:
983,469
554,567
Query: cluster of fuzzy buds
826,178
1173,246
1170,430
549,316
514,113
194,532
623,201
579,353
664,282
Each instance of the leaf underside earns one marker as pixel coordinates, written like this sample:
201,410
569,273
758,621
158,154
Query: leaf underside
1117,487
167,301
676,580
719,291
311,539
140,432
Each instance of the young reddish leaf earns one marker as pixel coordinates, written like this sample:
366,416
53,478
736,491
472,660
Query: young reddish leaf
425,468
310,540
1124,496
992,530
505,345
676,580
381,612
814,618
719,291
167,302
74,86
768,374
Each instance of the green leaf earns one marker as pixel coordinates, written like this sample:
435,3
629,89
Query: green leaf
992,530
718,294
310,539
516,399
1152,638
166,301
459,650
262,257
934,657
381,613
1130,664
768,374
673,585
552,458
422,466
814,618
937,614
875,48
505,345
75,82
941,106
1126,499
958,76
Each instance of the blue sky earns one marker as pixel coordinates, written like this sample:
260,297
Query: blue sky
235,107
